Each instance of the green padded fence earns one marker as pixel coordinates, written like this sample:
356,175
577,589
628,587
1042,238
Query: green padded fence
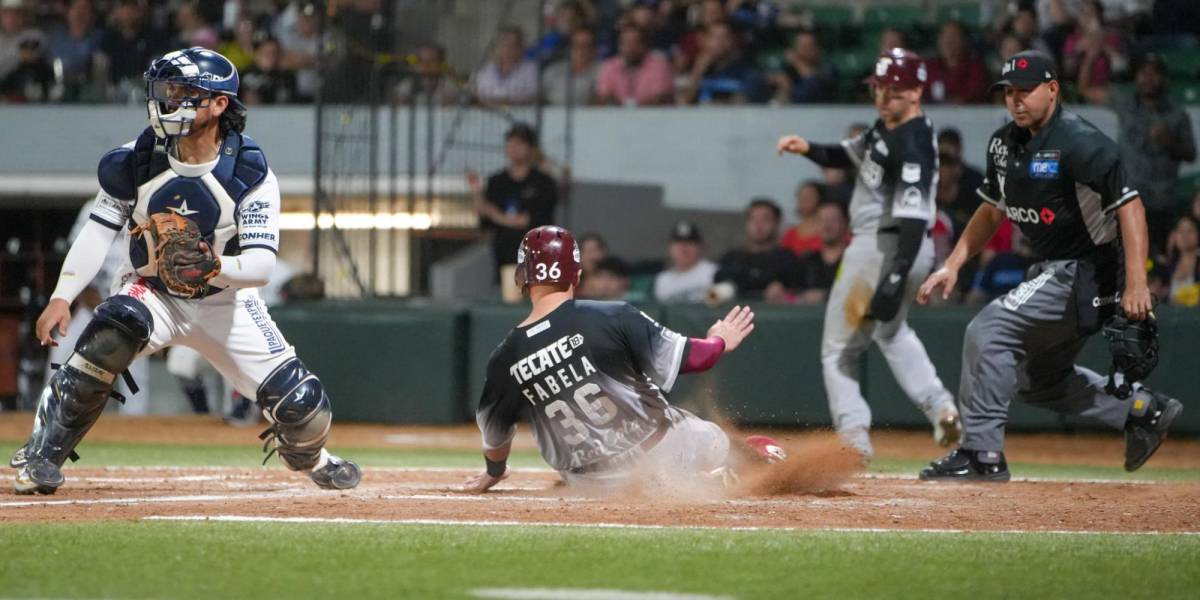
403,362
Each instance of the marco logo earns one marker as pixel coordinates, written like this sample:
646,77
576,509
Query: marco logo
1029,215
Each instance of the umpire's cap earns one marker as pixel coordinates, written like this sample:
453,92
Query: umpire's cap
1027,70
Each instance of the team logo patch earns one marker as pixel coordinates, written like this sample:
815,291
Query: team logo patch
911,198
910,172
1044,165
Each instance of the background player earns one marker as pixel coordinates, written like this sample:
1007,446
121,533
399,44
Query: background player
591,376
1060,180
891,212
194,162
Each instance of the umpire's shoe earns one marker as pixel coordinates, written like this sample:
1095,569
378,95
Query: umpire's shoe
1150,417
336,474
38,476
968,465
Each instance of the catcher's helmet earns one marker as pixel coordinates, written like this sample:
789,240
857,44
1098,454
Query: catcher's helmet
548,255
899,67
178,82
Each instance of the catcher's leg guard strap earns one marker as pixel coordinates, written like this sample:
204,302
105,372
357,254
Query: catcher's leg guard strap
78,390
294,400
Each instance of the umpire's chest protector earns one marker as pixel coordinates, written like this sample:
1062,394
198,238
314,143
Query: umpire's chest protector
209,194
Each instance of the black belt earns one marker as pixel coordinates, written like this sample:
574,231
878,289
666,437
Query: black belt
613,461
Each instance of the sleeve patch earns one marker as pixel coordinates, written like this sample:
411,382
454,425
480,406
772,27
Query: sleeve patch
911,198
910,173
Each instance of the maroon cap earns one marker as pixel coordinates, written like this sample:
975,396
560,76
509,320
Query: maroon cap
547,255
899,67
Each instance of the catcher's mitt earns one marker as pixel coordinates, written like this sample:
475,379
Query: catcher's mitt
1134,348
184,261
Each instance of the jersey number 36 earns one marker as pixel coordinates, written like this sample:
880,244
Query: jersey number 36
596,407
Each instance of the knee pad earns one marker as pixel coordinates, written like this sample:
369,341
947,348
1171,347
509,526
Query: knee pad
295,402
79,390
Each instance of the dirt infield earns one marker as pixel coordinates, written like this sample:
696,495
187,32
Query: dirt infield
535,497
808,498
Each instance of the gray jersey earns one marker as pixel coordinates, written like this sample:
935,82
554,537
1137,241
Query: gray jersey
590,377
897,175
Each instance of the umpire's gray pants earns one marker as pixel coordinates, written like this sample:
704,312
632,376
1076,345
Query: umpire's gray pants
1023,345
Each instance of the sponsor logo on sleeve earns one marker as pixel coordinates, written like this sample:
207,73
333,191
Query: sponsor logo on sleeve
252,236
911,198
910,172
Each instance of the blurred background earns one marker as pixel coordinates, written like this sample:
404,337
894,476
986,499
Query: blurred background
416,140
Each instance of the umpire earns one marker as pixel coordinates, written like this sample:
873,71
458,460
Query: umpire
1060,180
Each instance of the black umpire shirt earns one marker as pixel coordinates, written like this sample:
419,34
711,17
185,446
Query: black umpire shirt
1062,187
536,194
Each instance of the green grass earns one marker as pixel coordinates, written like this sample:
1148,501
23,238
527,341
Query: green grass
248,560
129,454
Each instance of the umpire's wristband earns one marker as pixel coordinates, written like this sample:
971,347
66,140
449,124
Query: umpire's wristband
495,468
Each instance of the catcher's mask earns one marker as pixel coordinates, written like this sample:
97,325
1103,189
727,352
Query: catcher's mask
1134,348
180,82
547,255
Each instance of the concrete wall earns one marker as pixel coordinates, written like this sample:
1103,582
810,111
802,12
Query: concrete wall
705,158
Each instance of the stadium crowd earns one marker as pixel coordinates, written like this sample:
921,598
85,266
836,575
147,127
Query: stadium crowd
1119,53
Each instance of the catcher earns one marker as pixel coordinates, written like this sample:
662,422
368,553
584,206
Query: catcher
592,379
202,209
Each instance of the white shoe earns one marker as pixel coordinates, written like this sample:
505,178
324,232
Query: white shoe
947,426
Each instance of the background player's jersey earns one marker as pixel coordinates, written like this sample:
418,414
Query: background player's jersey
234,199
897,175
590,376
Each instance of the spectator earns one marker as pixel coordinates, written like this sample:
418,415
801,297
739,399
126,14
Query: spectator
819,269
1195,208
592,250
708,14
239,48
890,38
266,82
690,275
1024,28
721,74
129,44
805,236
517,198
805,76
761,269
956,75
608,281
72,45
637,76
573,80
957,182
300,41
1155,136
194,30
649,16
33,79
1093,54
431,75
508,79
568,18
14,28
1183,256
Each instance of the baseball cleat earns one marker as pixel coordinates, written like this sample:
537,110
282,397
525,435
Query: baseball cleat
1149,420
968,465
947,429
18,458
766,448
336,474
38,476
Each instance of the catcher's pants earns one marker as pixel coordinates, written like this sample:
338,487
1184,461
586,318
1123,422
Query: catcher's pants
846,336
1024,345
691,449
231,329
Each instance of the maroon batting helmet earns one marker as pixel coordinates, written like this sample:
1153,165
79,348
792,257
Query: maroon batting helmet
898,67
548,255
